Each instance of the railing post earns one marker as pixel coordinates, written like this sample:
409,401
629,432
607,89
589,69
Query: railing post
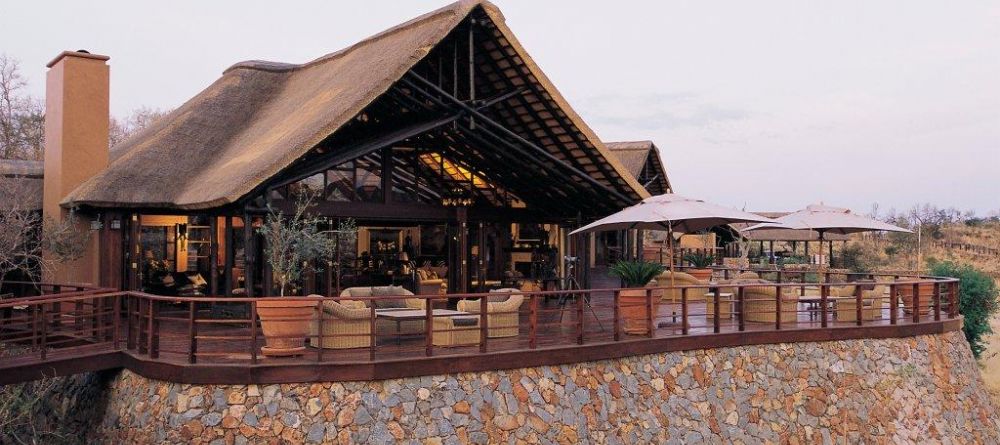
533,322
44,332
916,302
192,334
153,338
824,295
484,319
130,336
777,305
142,325
319,331
253,332
617,315
684,311
372,330
649,312
937,301
428,327
893,303
956,287
579,317
715,317
859,304
739,302
115,320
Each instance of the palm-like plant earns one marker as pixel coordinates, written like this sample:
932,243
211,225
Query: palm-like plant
635,273
700,260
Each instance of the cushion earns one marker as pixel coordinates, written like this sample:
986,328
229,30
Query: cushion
421,274
387,291
197,280
464,320
167,280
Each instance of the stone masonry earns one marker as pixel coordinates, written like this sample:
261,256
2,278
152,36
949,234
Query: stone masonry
919,389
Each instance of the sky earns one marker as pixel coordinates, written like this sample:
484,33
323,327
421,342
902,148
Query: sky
767,105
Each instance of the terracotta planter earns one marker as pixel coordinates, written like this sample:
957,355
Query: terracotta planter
701,274
926,296
634,311
285,325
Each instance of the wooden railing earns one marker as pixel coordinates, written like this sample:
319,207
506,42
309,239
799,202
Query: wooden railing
205,339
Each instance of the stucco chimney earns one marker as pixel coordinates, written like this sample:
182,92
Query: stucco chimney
76,140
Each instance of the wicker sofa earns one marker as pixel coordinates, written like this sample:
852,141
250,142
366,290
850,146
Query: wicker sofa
680,279
872,302
346,324
759,303
501,313
388,327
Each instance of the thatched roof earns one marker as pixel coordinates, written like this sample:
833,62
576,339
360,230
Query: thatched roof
637,155
22,181
784,234
261,117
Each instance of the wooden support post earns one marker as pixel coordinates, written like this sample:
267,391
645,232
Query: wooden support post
580,301
893,303
617,315
227,273
715,314
649,313
777,307
954,296
916,303
463,249
533,322
739,303
937,301
824,295
684,311
253,332
249,256
484,319
428,326
859,303
192,334
213,255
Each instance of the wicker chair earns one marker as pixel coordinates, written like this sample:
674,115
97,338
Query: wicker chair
759,304
345,324
679,279
456,331
846,308
502,316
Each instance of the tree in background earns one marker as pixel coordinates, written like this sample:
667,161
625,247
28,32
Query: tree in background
977,300
22,117
142,117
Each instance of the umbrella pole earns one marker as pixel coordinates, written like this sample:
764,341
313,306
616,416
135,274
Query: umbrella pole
673,307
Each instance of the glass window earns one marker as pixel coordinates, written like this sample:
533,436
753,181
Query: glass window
340,185
368,181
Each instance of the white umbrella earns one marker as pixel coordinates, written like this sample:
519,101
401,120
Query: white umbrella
827,219
671,212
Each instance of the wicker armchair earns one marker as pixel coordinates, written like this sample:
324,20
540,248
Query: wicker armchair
759,304
680,279
345,324
846,306
457,330
502,316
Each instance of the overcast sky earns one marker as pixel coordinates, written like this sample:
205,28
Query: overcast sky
769,105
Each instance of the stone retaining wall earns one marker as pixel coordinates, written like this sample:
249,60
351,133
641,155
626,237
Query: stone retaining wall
893,390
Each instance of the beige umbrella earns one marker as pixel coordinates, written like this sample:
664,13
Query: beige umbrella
671,212
826,219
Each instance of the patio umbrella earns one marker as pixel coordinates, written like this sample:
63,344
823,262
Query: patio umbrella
826,219
671,212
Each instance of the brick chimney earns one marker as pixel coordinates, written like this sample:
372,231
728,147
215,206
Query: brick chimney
76,142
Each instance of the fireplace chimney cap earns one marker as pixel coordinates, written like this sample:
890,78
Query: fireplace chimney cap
78,53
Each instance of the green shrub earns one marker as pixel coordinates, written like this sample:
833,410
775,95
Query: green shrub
700,260
977,300
635,273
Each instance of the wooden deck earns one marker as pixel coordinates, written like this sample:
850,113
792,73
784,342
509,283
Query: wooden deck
202,340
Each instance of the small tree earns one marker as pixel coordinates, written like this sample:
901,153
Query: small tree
25,234
294,242
977,300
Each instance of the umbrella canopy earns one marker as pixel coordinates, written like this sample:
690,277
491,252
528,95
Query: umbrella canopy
672,212
827,219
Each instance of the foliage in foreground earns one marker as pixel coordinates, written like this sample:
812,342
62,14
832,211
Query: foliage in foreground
977,300
635,273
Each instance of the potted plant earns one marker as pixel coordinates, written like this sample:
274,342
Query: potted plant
700,261
293,244
632,299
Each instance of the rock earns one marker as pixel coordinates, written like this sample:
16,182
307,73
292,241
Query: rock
461,407
345,416
313,406
362,417
423,393
316,433
211,419
253,391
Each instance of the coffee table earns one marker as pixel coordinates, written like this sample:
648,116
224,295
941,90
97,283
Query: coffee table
400,315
